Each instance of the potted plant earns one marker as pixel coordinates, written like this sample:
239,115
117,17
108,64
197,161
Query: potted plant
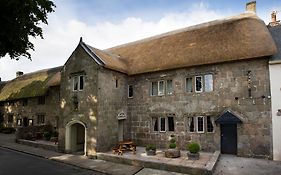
193,151
150,149
172,152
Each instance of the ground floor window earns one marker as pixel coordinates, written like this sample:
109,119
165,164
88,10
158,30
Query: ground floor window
40,119
200,124
163,123
30,122
19,122
10,118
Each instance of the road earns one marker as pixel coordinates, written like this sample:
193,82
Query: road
16,163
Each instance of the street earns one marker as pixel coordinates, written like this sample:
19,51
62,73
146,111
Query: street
16,163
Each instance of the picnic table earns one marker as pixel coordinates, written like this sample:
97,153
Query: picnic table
122,146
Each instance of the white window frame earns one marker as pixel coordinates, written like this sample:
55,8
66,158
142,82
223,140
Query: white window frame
202,84
159,120
129,91
78,86
161,94
197,123
212,85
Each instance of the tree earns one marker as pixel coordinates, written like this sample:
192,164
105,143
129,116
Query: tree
19,20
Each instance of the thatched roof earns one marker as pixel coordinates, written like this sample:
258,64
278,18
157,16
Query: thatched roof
276,34
29,85
236,38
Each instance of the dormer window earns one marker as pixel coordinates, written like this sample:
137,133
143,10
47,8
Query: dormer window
78,83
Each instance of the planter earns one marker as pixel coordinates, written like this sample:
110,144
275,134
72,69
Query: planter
172,153
151,152
193,156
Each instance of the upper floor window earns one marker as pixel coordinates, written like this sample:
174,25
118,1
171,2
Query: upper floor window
208,79
130,91
24,102
188,84
198,84
169,87
158,87
78,83
1,103
41,100
116,82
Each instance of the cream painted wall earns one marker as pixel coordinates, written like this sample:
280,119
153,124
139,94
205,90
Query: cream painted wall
275,80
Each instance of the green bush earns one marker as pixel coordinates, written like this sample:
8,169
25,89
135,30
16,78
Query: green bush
150,147
8,130
47,135
55,134
193,147
172,145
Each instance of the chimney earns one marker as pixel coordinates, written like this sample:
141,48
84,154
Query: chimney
19,73
251,7
0,79
274,21
273,16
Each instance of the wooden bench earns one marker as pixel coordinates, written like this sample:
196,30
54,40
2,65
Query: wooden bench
122,146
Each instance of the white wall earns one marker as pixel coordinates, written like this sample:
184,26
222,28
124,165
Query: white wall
275,80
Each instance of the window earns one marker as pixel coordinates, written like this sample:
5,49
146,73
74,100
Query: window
24,102
188,85
208,79
191,125
40,119
1,103
161,86
171,124
155,124
78,83
130,91
10,118
41,100
169,87
116,82
210,126
198,84
19,122
162,124
200,124
30,122
154,88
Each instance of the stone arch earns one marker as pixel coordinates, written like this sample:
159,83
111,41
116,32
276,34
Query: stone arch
76,137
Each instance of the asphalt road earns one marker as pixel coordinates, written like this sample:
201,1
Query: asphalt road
16,163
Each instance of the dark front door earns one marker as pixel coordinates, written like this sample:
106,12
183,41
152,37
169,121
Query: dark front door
228,138
25,121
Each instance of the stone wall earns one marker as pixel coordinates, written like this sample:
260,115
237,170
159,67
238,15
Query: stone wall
231,82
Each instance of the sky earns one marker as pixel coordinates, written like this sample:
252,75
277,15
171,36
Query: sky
107,23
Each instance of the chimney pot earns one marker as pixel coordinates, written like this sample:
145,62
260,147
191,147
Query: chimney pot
0,79
19,73
273,16
251,7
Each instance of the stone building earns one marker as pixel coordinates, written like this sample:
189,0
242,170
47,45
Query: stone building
31,99
275,86
207,83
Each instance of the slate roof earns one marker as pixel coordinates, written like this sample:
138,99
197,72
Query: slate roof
276,34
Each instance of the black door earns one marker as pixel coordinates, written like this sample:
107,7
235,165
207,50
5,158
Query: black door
228,138
25,121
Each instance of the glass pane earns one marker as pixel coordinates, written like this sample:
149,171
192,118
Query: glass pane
162,124
208,82
154,88
200,124
81,83
210,126
161,88
169,86
198,84
75,83
191,124
155,122
130,93
171,125
189,85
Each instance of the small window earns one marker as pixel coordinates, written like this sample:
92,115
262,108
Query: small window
155,124
1,103
191,125
24,102
200,124
198,84
208,82
130,91
81,82
154,88
41,100
10,118
40,119
161,89
75,83
19,122
169,87
116,82
210,126
171,124
188,85
162,124
30,122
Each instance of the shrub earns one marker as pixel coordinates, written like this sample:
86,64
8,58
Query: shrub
173,140
47,135
193,147
55,134
172,145
150,147
8,130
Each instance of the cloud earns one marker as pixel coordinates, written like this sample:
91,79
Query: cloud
62,35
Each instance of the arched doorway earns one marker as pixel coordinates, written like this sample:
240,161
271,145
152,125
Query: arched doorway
75,137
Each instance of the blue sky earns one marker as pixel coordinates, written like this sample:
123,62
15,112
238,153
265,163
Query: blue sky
107,23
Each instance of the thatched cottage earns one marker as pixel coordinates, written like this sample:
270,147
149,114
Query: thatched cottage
207,83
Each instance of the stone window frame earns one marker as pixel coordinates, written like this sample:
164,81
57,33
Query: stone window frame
192,80
165,90
203,78
130,96
78,79
157,117
195,116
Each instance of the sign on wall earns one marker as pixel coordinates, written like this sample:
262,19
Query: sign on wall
121,116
